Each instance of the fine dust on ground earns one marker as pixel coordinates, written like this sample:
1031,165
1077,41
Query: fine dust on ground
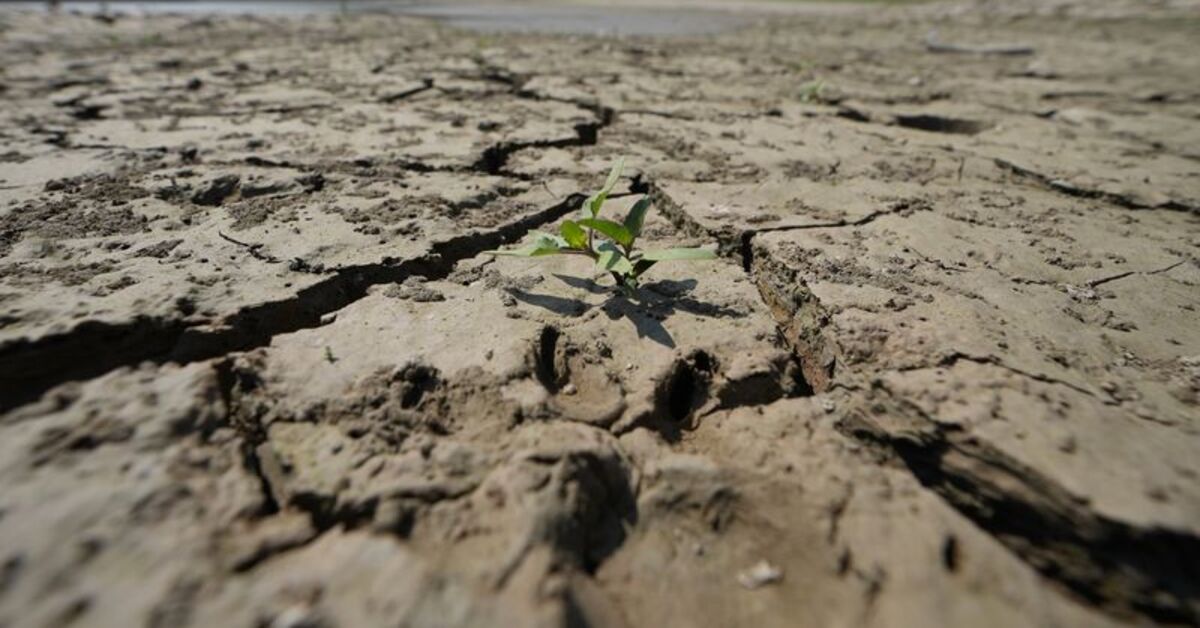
256,371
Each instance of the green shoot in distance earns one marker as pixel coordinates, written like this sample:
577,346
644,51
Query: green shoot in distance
609,244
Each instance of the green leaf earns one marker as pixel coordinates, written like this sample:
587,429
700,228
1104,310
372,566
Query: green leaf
677,254
541,252
616,231
541,243
596,201
575,236
591,207
548,239
612,260
811,92
637,216
614,175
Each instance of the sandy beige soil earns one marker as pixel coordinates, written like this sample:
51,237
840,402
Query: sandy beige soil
255,371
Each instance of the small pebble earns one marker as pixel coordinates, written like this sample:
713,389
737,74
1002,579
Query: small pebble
569,389
761,574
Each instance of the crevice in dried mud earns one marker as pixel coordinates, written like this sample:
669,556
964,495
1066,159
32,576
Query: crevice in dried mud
604,114
694,385
941,124
323,514
801,320
495,158
234,383
239,384
733,242
798,314
930,123
29,368
327,513
1122,570
989,360
1129,273
1070,189
425,85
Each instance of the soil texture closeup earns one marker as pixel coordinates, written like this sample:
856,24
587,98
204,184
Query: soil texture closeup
255,369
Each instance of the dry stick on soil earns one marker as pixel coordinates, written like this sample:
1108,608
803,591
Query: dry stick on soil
255,250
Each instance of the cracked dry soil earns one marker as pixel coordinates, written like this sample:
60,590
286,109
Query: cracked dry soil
255,371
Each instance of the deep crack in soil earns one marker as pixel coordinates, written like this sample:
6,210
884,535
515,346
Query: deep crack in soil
28,369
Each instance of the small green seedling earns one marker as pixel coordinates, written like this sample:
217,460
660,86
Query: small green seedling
609,244
811,91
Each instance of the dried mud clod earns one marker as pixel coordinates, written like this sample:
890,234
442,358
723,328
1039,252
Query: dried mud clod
802,321
579,378
1127,570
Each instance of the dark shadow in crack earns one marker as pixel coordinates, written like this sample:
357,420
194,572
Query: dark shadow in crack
647,308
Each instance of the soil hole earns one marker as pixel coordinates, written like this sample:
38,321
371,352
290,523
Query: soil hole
326,513
950,554
415,381
940,124
800,386
688,386
544,359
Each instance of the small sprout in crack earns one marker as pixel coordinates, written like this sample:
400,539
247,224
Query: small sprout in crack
329,357
811,91
609,244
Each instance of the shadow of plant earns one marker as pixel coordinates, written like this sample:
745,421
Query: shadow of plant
650,306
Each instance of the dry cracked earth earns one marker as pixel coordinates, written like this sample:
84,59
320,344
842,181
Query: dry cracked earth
256,371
